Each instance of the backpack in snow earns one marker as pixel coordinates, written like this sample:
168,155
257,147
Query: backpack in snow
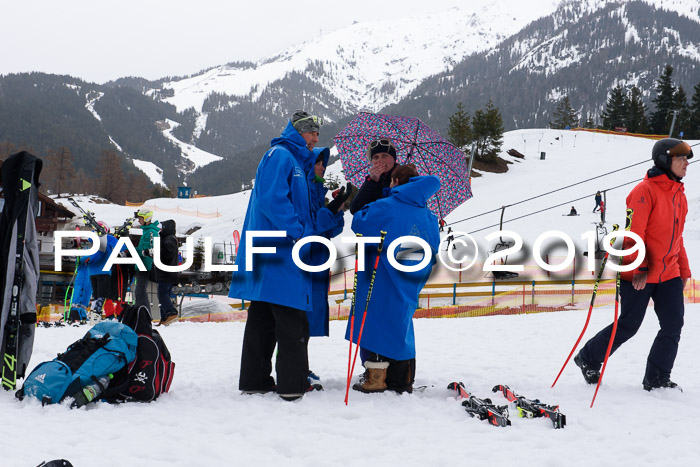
105,350
151,372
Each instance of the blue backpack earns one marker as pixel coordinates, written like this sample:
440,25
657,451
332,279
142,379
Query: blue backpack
105,350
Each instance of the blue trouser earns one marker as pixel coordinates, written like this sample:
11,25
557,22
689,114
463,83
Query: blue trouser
669,308
165,300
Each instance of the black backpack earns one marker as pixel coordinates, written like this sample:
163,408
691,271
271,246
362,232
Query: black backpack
151,373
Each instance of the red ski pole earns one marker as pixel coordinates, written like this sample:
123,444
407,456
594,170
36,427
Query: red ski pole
352,321
364,314
628,226
590,309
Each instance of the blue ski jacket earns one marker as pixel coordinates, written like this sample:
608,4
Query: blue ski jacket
388,328
280,201
318,254
96,261
82,288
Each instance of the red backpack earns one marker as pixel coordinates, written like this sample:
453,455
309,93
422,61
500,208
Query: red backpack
151,372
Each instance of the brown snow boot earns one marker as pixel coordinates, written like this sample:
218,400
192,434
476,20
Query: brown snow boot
377,378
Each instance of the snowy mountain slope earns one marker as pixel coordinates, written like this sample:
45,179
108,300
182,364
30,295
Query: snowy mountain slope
579,52
371,64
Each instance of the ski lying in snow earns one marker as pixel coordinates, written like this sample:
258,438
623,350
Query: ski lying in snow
528,408
89,218
496,415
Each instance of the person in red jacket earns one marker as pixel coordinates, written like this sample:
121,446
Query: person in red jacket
656,211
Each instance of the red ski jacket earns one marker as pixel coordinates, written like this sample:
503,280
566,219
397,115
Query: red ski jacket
656,211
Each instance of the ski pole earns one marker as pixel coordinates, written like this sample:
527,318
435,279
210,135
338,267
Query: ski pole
364,314
590,309
628,226
352,320
71,289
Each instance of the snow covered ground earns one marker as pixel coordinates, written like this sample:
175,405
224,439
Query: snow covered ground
205,421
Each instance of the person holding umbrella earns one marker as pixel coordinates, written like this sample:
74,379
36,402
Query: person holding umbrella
382,157
388,343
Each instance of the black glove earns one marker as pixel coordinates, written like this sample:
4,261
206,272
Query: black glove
340,199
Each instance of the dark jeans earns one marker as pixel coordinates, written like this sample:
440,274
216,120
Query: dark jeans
669,308
268,325
165,301
141,292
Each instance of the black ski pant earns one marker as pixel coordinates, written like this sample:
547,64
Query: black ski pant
669,308
268,325
165,301
141,292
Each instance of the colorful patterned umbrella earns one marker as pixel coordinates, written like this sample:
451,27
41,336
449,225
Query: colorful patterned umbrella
416,143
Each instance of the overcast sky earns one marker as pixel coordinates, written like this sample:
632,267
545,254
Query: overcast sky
101,40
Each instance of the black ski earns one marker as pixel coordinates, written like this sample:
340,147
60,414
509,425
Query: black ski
12,326
19,255
124,228
89,218
497,415
533,408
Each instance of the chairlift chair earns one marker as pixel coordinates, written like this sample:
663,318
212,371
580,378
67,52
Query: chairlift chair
503,245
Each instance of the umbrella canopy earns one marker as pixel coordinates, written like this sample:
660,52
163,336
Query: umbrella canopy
415,143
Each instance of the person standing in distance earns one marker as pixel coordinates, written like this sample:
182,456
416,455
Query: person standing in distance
145,251
656,211
166,279
280,292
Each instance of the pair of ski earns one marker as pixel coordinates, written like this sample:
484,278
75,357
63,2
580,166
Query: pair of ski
498,415
89,219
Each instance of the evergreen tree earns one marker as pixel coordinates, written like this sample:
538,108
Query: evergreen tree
487,132
694,123
198,255
111,184
83,183
6,150
60,165
139,187
615,112
459,132
680,106
636,112
588,122
564,115
660,120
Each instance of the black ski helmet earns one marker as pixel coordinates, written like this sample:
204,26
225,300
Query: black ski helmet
665,149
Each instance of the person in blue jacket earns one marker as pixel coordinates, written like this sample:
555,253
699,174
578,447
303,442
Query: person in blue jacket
80,297
279,291
99,279
388,343
318,254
